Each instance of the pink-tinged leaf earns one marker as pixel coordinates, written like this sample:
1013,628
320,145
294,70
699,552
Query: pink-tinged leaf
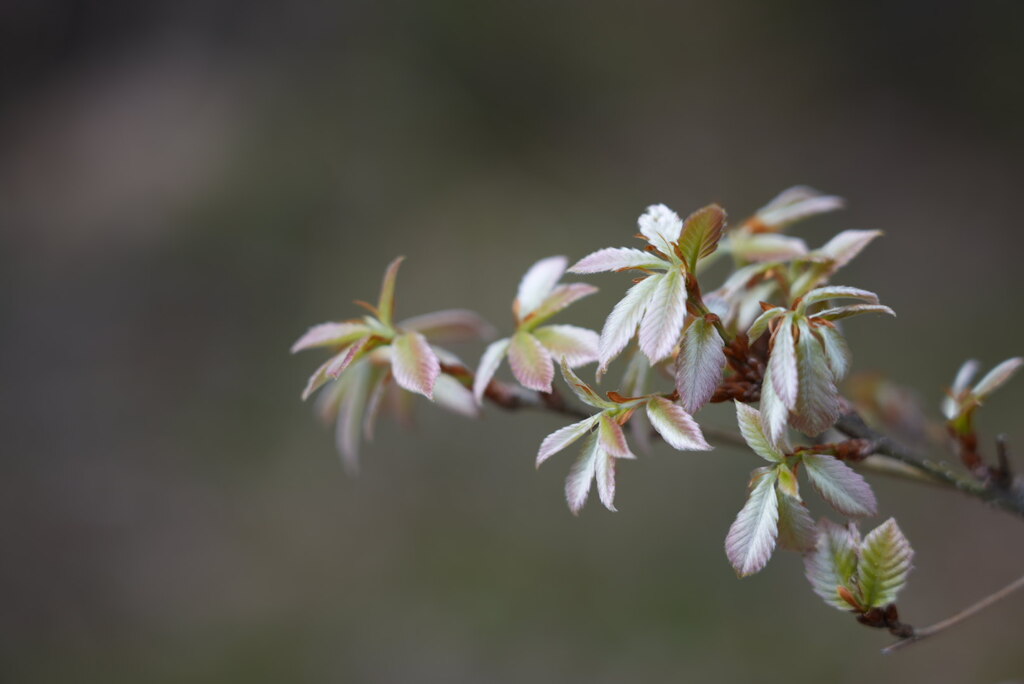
342,360
751,537
386,306
833,563
783,363
563,437
841,486
885,561
355,394
996,378
663,321
749,420
842,312
530,362
452,395
954,400
700,234
794,204
489,363
450,325
774,413
761,323
699,365
676,426
576,345
747,307
845,246
661,226
414,364
320,377
760,247
837,352
623,320
561,297
583,391
822,294
537,284
378,386
787,483
577,485
616,259
604,475
330,335
612,439
817,402
796,528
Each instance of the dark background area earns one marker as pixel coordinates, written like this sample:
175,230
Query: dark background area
186,186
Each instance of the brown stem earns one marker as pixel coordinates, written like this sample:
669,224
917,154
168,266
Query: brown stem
925,632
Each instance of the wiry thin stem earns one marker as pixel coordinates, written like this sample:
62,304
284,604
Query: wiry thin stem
924,633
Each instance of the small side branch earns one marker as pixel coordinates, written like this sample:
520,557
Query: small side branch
924,633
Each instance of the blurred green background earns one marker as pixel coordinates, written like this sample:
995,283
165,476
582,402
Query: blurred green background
186,186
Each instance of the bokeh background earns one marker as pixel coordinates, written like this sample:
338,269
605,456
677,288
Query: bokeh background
186,186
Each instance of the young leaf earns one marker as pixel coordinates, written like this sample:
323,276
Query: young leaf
842,312
822,294
623,320
489,363
760,247
612,439
661,226
817,401
700,234
530,362
833,562
794,204
560,439
576,345
796,528
841,486
560,297
354,393
604,474
675,425
450,325
753,432
885,557
583,391
663,321
783,363
837,353
699,365
341,361
414,363
577,484
330,335
386,305
842,249
537,284
761,323
616,259
751,537
774,413
452,395
996,378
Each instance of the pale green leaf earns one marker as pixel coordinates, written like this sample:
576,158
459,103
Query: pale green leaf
621,324
663,320
753,432
613,440
795,204
796,528
837,352
537,284
617,259
817,402
581,475
560,297
833,562
452,395
450,325
386,305
761,323
829,292
885,558
576,345
842,312
331,335
661,226
996,378
783,363
563,437
583,391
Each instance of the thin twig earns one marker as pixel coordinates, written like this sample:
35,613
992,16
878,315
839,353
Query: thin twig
968,612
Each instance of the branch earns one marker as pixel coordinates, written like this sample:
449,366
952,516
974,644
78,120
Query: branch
1009,497
924,633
